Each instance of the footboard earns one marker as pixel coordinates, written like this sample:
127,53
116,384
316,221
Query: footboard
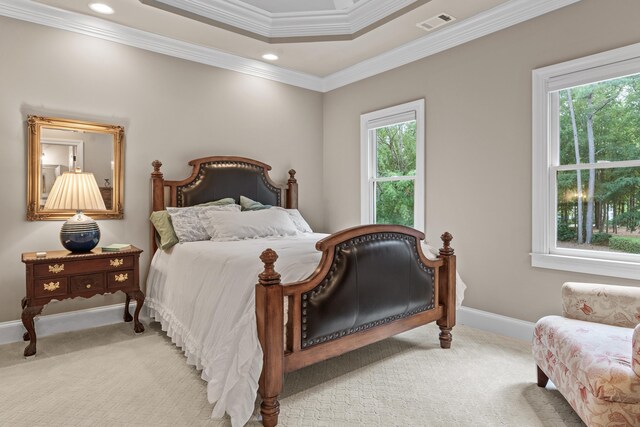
372,282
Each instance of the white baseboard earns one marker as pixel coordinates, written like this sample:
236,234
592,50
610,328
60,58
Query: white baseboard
502,325
108,315
67,322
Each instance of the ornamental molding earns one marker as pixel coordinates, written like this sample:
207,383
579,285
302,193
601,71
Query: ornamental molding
343,23
492,20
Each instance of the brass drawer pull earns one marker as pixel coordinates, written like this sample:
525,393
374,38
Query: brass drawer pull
116,262
51,286
122,277
56,268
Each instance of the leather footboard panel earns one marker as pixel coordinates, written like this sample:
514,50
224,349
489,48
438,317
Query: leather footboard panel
374,279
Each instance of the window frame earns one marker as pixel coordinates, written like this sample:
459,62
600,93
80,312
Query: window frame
371,121
547,82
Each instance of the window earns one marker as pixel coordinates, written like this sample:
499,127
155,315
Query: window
392,165
586,165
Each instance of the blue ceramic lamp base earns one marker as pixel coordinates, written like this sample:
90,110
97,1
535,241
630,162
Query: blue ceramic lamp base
80,233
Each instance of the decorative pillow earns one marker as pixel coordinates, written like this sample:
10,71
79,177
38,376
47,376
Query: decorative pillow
161,220
251,205
187,224
224,226
219,202
297,219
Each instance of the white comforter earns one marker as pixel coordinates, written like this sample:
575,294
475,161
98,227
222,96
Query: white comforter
203,295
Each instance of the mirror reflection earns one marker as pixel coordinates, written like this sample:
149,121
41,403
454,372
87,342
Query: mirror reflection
57,146
67,150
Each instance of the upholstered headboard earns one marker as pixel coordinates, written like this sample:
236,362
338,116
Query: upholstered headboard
217,177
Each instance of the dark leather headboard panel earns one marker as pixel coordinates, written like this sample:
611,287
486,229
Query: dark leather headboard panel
364,273
219,179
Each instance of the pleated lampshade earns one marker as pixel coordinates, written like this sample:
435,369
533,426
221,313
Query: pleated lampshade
79,191
75,190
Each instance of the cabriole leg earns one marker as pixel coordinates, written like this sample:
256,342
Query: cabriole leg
139,297
28,313
127,315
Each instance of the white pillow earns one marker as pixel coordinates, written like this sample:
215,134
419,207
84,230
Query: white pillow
297,219
187,224
224,226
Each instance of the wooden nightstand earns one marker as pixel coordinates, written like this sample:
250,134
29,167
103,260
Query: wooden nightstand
62,274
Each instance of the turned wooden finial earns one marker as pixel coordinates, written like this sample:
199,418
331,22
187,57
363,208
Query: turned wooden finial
292,176
269,276
156,167
446,250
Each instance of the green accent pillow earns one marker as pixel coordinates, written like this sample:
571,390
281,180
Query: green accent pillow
251,205
161,221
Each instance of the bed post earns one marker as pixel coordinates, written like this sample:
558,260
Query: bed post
157,196
292,190
270,318
447,291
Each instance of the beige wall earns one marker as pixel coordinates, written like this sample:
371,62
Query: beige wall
172,110
478,147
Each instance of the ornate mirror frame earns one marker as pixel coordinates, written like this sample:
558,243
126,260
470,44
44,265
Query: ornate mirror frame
35,124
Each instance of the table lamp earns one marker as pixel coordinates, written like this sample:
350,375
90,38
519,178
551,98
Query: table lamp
79,191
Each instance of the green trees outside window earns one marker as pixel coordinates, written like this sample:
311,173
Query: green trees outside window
598,177
395,173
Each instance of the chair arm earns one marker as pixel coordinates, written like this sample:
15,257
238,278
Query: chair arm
635,357
610,304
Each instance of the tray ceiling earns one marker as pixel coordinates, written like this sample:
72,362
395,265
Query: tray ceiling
287,21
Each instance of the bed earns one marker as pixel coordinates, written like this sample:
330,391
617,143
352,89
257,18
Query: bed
317,296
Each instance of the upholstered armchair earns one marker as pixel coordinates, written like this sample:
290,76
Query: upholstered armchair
592,352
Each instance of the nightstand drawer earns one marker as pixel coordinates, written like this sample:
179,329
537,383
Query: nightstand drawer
120,279
116,261
62,268
57,269
86,283
50,287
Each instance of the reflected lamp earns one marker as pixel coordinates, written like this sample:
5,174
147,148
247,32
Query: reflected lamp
79,191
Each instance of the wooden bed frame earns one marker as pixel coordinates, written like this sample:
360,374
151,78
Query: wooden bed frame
317,311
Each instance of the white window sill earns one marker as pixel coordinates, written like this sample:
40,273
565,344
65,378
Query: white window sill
601,267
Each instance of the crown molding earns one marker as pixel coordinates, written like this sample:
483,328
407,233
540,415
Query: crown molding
95,27
487,22
498,18
324,23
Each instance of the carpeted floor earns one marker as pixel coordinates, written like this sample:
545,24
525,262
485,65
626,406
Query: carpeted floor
110,377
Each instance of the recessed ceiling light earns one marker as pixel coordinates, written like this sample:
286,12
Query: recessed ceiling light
270,56
101,8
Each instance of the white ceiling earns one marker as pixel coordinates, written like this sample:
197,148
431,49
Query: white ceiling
288,6
316,65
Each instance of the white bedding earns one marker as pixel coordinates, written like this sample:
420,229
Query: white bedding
203,295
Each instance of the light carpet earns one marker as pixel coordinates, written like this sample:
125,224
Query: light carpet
110,377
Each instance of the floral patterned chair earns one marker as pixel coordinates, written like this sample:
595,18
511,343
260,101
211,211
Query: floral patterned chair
592,352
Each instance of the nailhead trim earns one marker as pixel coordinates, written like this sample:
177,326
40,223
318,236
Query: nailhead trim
337,257
202,171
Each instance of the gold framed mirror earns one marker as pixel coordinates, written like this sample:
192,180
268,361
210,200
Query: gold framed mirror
58,145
